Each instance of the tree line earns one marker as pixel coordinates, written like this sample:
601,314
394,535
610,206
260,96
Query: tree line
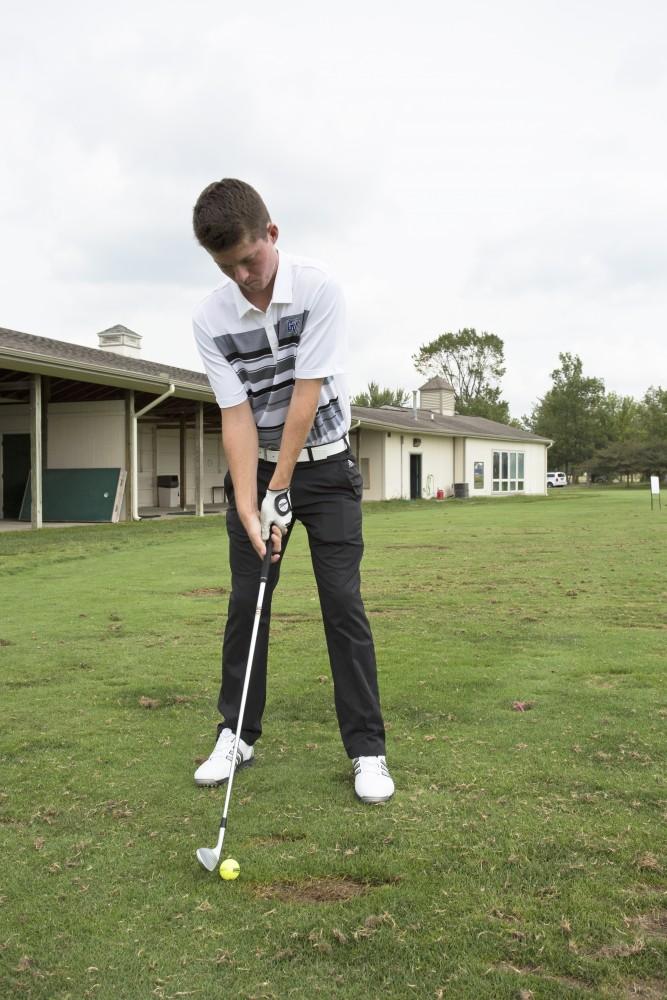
600,433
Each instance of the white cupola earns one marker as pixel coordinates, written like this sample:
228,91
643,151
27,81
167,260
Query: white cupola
119,340
438,396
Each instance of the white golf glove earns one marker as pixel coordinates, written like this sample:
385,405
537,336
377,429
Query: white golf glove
276,509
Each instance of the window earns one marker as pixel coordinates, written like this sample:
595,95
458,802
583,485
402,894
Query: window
366,472
508,471
478,477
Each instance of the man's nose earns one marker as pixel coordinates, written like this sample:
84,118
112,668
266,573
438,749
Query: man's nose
241,275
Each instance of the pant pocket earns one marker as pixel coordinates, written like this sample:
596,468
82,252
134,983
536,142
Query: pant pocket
354,477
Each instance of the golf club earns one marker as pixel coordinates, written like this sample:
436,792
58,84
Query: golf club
210,856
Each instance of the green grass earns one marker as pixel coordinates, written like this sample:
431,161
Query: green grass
523,851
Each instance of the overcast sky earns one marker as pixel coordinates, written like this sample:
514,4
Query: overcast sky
485,164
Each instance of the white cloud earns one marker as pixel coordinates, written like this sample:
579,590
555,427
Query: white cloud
491,165
586,257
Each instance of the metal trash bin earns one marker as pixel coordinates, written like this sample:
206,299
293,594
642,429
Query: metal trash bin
461,491
168,491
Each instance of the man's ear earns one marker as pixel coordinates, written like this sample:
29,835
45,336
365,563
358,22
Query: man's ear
272,231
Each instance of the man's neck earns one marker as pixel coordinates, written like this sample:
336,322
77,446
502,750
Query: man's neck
260,300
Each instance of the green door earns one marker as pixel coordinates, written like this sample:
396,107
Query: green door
15,472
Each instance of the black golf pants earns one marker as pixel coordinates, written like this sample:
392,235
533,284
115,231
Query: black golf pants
326,498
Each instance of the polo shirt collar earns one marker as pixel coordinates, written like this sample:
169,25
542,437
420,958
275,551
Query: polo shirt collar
282,288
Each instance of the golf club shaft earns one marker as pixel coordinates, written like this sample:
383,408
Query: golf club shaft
266,564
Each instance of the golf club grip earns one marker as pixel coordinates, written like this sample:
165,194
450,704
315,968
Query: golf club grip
266,561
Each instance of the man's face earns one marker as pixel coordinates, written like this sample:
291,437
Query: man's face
251,264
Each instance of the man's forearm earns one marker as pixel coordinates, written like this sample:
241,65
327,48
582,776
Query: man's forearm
239,440
300,418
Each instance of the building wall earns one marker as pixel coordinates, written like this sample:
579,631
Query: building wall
480,450
92,435
86,435
459,470
396,484
388,454
445,460
165,460
437,464
371,450
14,419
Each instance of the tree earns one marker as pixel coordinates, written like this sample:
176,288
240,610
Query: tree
570,413
375,396
620,417
488,405
629,458
653,414
620,458
473,363
652,458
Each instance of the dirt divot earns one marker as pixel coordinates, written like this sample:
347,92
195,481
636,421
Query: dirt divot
645,990
205,592
652,924
568,981
318,890
292,617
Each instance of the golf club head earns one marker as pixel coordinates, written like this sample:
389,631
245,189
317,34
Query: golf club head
207,858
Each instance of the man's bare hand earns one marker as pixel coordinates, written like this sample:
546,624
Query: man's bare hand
254,532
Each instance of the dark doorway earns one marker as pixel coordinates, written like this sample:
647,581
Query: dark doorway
415,477
15,472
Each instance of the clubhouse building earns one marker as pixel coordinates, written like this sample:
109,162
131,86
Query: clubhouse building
101,434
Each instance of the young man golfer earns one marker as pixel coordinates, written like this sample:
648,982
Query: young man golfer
272,340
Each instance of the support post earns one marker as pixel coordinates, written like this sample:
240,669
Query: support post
130,455
154,445
183,471
46,395
199,460
36,450
135,420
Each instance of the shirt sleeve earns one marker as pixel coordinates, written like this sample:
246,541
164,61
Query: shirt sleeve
224,381
321,348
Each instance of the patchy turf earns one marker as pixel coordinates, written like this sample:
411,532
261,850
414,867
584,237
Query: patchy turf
315,890
521,650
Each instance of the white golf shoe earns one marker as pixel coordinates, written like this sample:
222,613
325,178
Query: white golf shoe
217,768
372,780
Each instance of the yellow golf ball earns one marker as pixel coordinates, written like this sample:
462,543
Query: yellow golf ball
229,869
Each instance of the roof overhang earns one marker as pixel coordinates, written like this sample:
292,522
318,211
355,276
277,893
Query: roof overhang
423,427
81,371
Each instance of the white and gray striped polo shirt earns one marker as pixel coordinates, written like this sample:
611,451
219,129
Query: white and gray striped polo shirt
249,354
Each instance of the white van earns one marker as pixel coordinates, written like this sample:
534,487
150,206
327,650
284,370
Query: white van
556,479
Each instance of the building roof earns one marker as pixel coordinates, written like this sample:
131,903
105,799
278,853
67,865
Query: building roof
436,383
404,418
119,328
26,352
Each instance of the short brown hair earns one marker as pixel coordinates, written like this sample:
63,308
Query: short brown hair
228,212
